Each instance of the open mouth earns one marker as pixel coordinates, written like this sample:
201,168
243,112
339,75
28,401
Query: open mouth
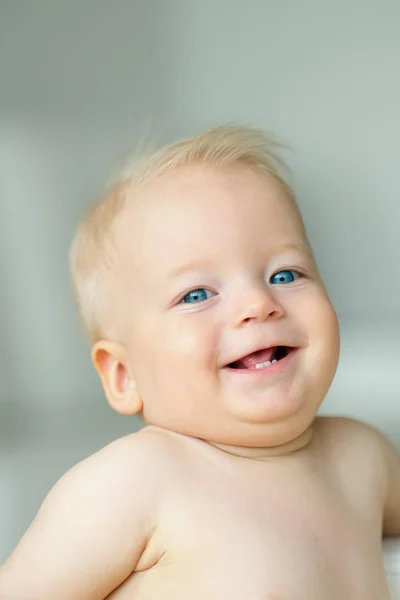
262,358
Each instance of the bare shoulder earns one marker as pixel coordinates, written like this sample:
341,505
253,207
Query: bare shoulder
357,452
97,519
366,463
348,433
141,463
145,451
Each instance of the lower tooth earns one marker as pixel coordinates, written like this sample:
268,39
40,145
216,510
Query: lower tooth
264,364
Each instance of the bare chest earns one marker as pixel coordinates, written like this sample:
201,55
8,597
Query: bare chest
289,538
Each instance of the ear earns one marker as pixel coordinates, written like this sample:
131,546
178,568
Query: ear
120,389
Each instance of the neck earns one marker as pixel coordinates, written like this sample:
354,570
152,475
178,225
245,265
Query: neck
260,454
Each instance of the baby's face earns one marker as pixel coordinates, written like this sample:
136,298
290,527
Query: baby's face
216,266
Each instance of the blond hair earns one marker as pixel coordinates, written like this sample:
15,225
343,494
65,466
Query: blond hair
93,249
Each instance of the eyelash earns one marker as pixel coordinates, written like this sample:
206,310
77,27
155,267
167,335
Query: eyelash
194,289
298,273
181,301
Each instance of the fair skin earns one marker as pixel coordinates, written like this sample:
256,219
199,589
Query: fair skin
205,235
234,490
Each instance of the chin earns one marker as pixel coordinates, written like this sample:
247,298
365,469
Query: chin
262,435
272,407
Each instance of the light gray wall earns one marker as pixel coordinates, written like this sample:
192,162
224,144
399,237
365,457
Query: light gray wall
80,81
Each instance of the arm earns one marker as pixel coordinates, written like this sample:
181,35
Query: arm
89,532
371,454
391,521
379,451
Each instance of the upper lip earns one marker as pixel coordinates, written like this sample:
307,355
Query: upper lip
257,348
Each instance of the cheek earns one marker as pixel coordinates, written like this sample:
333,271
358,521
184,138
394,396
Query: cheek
324,337
190,343
319,322
175,348
177,379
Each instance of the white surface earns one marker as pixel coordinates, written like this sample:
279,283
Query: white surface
394,587
391,556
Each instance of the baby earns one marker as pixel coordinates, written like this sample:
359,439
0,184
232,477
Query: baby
208,317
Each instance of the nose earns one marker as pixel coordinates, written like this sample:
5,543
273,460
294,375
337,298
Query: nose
257,304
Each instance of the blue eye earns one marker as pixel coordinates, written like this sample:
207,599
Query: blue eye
286,276
196,296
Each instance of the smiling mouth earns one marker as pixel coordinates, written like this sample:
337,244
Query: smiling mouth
262,358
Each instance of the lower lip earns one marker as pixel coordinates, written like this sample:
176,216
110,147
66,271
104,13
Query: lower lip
272,369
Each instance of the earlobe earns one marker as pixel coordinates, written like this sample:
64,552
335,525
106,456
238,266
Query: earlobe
120,389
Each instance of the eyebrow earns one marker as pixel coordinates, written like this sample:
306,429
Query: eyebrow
195,265
297,247
203,264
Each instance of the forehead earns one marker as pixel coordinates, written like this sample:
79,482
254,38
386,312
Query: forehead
201,208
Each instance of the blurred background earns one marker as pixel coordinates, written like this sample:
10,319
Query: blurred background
81,82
